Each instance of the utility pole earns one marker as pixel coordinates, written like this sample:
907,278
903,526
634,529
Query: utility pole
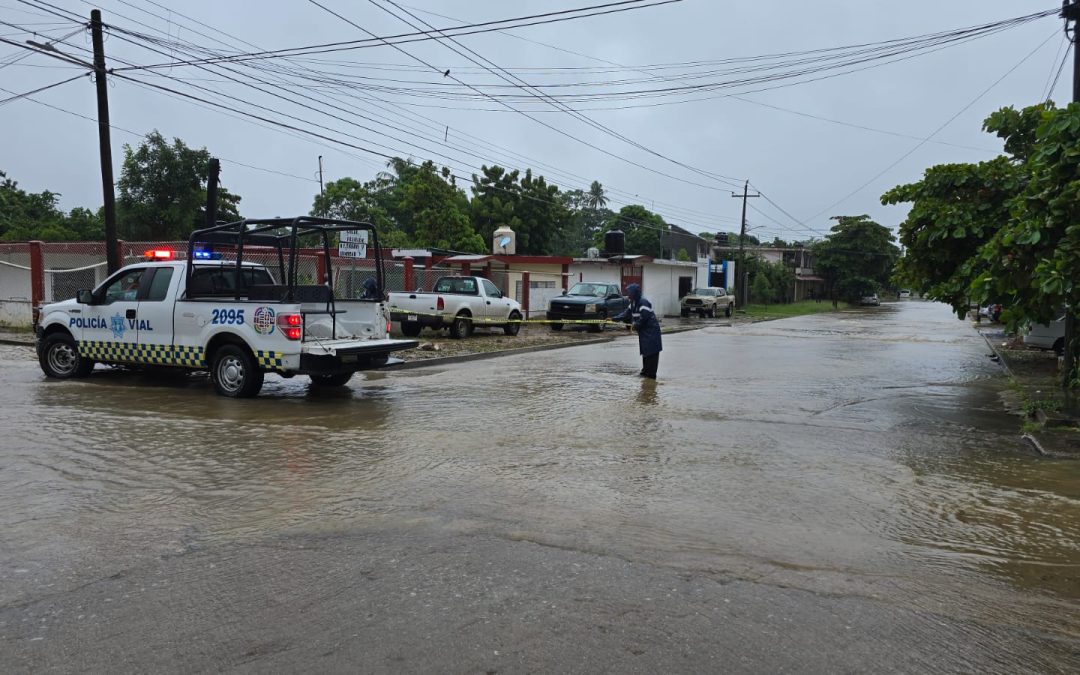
213,175
112,253
1070,11
320,176
741,269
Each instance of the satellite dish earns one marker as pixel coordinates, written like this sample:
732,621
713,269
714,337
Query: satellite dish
504,242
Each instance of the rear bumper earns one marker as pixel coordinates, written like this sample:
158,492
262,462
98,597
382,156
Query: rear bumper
353,357
425,320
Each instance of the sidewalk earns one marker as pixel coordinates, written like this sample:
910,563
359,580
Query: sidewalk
14,336
1034,394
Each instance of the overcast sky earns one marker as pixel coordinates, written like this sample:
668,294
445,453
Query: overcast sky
805,165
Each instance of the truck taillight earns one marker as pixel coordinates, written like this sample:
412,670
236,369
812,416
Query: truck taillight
440,305
291,325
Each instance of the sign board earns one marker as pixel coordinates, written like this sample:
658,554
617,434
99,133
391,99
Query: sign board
353,244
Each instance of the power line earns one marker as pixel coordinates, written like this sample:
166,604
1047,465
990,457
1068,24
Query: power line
40,89
404,38
538,121
941,128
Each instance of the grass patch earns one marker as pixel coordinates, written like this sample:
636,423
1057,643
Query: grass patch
792,309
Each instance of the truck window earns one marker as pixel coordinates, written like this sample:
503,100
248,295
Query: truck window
125,287
491,290
458,285
159,284
206,280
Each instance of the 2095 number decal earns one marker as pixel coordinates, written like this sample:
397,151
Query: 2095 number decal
227,316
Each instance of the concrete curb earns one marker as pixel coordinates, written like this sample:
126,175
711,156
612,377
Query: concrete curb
1000,359
1034,442
17,343
464,358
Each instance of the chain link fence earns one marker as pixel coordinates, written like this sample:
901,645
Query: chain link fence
16,285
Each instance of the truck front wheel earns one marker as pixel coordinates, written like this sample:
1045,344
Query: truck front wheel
235,372
727,311
514,326
60,358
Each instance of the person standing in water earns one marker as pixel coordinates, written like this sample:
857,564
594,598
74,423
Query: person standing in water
643,319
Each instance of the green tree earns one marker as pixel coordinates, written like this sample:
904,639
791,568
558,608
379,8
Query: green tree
26,216
583,224
596,199
1033,260
682,255
439,211
761,290
856,258
957,208
348,199
163,191
527,204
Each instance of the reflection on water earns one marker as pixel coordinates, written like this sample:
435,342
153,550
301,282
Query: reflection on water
862,453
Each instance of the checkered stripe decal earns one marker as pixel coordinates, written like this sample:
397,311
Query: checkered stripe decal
270,360
129,352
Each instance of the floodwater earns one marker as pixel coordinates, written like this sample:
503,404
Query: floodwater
862,454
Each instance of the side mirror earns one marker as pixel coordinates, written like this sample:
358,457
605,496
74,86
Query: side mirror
84,297
564,291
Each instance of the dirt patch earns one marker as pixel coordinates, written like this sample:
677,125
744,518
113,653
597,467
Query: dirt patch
437,345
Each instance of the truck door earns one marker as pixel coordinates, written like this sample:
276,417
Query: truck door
110,331
495,307
154,319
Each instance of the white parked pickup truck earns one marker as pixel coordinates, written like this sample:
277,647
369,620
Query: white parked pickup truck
231,318
457,303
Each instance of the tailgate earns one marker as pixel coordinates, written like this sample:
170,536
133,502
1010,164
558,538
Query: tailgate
343,347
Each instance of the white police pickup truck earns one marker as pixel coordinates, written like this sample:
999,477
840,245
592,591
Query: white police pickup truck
231,318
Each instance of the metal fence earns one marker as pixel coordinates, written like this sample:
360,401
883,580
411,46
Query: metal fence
16,285
34,273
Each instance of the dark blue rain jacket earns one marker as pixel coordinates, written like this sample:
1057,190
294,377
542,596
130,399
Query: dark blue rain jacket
644,321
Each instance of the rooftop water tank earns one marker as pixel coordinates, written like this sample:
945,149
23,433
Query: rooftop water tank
614,243
504,241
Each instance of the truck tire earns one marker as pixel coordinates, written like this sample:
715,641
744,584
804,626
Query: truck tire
684,313
1059,346
60,358
727,311
332,380
462,326
556,326
235,373
411,329
598,327
514,327
712,312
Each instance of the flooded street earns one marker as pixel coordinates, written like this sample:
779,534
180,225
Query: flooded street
833,492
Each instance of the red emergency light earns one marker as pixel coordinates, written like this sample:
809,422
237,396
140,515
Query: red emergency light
159,254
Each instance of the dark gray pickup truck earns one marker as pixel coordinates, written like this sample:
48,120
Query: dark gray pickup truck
587,301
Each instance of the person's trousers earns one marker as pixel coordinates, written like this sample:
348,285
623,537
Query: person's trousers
649,364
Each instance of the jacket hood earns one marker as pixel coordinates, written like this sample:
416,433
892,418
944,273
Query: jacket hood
633,291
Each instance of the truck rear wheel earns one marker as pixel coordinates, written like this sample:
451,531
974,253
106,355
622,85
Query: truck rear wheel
411,329
60,358
235,372
462,326
332,380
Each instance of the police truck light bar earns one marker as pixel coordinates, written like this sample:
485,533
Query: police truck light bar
159,254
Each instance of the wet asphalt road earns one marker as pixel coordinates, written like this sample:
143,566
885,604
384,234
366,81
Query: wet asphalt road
821,494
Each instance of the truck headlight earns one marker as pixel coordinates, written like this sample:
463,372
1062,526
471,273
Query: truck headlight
590,308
